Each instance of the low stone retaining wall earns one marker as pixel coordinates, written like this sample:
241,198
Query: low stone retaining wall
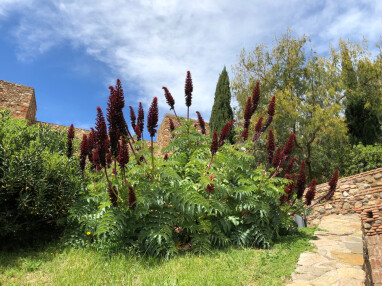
353,195
361,194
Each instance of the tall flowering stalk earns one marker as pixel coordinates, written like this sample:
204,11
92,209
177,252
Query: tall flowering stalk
132,202
301,181
332,186
70,137
133,118
290,164
170,101
141,118
201,123
277,157
258,130
171,125
310,194
101,139
255,97
152,123
123,158
188,88
248,113
271,113
214,147
270,146
225,132
91,143
138,132
84,152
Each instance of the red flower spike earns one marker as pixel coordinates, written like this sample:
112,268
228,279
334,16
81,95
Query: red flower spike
245,134
271,106
258,125
225,132
137,132
277,157
70,141
283,199
84,146
290,188
289,145
108,159
270,146
332,186
133,118
101,136
132,198
210,188
212,177
71,132
171,124
114,144
214,144
255,97
95,157
141,118
115,106
301,181
169,99
201,123
310,194
91,143
165,158
248,113
188,88
113,195
152,119
289,167
123,157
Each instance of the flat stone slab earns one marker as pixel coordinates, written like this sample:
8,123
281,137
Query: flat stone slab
339,256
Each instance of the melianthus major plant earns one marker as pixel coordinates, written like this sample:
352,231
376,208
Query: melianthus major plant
202,194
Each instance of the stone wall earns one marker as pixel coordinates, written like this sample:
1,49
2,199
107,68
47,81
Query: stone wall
353,195
78,132
164,135
19,99
361,194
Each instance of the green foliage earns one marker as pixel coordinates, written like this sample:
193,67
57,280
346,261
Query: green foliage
363,158
221,110
363,95
174,212
38,182
308,96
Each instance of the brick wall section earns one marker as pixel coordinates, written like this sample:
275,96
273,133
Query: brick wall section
19,99
164,135
373,265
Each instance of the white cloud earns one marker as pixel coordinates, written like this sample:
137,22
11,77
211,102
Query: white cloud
151,44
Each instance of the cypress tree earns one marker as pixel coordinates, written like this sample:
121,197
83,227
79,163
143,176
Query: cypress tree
221,110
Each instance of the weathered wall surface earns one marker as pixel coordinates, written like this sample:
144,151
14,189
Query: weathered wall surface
19,99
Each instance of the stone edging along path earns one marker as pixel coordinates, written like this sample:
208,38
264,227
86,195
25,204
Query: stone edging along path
338,259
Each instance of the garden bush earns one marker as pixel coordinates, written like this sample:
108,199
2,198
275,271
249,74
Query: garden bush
38,182
363,158
201,193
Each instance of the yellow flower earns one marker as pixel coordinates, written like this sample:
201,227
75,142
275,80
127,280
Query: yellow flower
3,187
88,233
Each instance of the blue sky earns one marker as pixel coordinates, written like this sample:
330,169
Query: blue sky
71,51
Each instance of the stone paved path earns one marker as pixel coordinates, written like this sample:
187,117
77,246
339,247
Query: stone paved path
339,256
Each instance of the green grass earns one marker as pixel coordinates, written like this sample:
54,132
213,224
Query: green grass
233,266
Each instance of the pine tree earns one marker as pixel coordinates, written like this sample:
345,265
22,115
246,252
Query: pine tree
221,110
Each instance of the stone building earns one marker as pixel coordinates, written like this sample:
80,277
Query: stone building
19,99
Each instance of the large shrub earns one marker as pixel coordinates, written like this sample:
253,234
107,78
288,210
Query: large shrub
202,194
38,182
363,158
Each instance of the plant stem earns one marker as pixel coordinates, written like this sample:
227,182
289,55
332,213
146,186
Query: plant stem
152,153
